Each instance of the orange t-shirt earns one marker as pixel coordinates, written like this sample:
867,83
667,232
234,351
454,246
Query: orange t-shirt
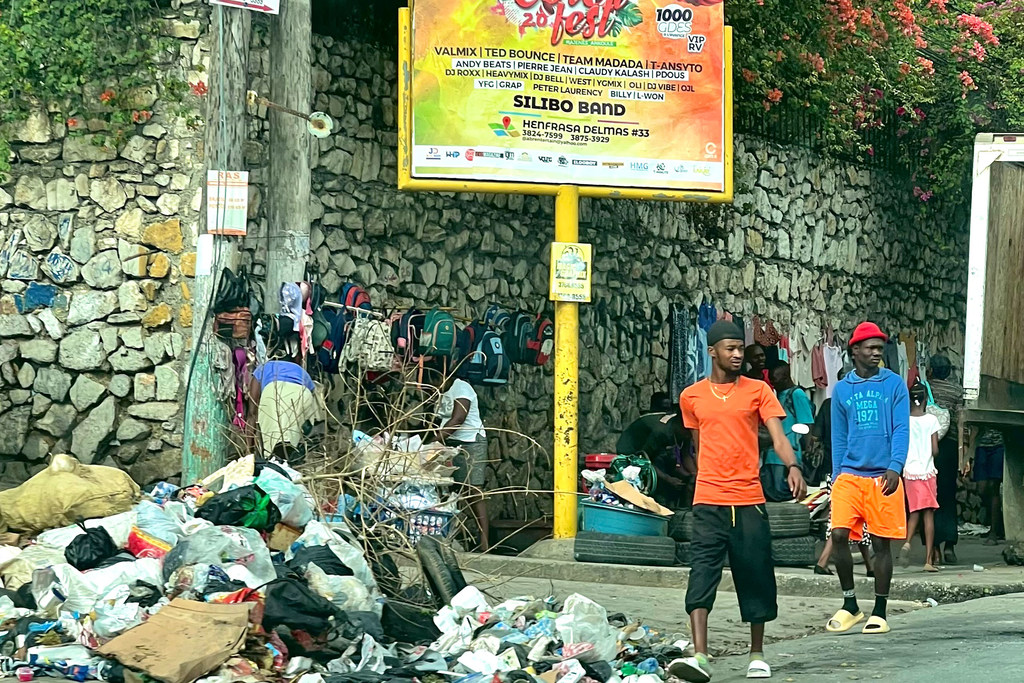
727,462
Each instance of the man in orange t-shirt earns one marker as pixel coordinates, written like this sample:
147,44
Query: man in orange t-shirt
723,413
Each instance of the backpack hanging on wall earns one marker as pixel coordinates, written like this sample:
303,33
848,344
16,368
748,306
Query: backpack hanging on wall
517,338
472,362
439,336
465,340
496,363
321,327
497,318
543,342
485,363
330,354
354,296
405,333
369,344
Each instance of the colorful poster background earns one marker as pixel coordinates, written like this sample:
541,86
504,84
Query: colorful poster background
620,93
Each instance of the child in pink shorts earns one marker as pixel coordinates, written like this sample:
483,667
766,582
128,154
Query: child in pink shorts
919,475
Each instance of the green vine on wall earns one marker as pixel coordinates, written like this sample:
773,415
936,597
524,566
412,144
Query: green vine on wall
91,65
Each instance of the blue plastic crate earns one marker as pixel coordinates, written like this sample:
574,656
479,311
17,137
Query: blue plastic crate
608,519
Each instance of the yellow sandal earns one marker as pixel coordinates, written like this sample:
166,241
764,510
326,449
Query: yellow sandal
842,621
876,625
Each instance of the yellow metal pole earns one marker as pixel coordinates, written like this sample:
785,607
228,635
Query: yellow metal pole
567,323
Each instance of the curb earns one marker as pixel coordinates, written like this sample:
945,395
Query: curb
792,585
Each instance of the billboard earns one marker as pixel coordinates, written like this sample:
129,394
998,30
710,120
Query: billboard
614,93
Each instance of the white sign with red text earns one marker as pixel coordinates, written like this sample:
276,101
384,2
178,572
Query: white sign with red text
264,6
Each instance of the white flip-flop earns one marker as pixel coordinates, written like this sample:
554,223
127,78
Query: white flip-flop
689,669
758,668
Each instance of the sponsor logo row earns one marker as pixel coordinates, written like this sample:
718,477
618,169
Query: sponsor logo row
659,168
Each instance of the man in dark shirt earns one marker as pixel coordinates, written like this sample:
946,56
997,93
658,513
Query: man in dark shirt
949,395
660,435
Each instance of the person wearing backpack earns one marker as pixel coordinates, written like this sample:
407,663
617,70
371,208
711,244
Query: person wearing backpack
458,411
799,411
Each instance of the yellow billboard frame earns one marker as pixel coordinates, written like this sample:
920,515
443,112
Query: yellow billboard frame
566,230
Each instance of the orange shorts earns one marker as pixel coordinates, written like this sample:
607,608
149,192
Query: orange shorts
857,501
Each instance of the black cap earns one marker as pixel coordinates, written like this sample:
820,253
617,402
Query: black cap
722,330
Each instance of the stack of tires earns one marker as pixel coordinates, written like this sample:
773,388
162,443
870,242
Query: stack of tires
792,542
647,551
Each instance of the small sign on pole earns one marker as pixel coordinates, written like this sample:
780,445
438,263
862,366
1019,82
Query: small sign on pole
571,272
227,202
264,6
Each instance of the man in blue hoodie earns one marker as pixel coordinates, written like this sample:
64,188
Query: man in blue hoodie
870,437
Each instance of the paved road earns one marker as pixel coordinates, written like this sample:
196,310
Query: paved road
978,640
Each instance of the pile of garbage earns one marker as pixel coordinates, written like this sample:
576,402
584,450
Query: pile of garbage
236,580
529,640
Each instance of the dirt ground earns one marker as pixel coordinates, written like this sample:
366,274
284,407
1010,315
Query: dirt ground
663,609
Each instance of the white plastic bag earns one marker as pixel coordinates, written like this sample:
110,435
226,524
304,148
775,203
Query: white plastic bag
371,657
18,571
346,592
9,611
290,498
584,621
118,526
61,587
158,522
114,614
226,547
7,554
351,555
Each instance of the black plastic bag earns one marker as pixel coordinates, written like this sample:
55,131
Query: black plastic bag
145,594
320,555
406,623
90,549
248,506
293,604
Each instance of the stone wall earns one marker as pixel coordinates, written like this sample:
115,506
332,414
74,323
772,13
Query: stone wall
804,241
95,241
97,255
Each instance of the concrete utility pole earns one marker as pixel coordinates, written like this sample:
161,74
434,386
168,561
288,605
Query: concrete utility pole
206,417
291,37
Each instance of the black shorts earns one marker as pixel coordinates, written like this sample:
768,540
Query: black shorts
743,533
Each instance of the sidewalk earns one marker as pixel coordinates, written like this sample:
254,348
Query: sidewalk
552,560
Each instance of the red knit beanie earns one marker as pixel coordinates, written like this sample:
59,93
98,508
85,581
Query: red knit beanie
867,330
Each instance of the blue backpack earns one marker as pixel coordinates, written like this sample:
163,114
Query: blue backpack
329,354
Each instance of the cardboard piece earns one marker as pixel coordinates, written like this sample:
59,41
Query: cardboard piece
182,642
282,537
630,494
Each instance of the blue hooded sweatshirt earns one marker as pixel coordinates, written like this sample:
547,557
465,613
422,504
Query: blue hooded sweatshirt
870,425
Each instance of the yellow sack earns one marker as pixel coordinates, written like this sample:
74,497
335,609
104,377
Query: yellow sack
64,493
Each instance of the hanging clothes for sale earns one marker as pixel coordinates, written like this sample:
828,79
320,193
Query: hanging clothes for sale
904,366
834,361
699,353
706,317
891,355
748,332
800,345
818,371
784,354
738,321
681,368
910,340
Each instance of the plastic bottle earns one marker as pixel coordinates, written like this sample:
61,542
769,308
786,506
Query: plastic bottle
648,666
